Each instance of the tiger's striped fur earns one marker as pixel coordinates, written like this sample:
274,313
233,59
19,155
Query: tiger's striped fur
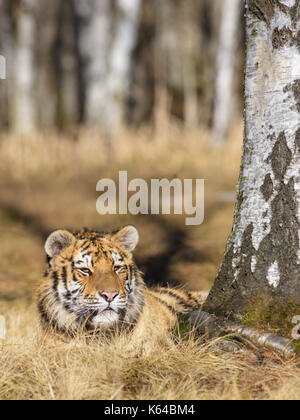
92,283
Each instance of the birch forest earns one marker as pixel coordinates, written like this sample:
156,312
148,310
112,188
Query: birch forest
149,202
112,63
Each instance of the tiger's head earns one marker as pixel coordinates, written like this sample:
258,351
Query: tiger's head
92,281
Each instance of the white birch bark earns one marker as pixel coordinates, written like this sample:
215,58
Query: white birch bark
5,60
94,40
271,109
119,62
5,38
224,85
263,252
168,62
189,48
46,78
68,91
24,111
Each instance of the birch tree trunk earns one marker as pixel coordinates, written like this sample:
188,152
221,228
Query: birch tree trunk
262,258
5,51
119,62
68,104
189,50
224,88
167,62
94,37
139,106
23,107
46,79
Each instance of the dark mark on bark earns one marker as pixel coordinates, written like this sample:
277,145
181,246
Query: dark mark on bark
267,187
282,242
297,140
247,252
297,40
282,37
295,12
296,92
285,36
295,88
264,9
271,136
280,157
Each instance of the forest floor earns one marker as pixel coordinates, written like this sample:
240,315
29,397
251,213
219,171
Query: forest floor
50,183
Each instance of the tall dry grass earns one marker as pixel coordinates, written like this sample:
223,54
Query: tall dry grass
143,153
48,182
103,369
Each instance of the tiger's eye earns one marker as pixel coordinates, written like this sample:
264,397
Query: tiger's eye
85,271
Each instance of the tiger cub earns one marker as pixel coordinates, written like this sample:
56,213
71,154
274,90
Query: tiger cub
93,284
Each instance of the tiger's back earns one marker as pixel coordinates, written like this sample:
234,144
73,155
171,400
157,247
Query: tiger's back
93,284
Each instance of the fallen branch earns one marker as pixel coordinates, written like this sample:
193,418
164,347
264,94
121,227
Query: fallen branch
214,328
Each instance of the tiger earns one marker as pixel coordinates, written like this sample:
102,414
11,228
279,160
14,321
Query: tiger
93,284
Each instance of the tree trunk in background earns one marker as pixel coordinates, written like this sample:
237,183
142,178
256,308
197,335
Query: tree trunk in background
94,36
67,68
262,258
167,67
139,108
174,63
224,88
189,52
209,17
46,80
23,112
5,50
120,60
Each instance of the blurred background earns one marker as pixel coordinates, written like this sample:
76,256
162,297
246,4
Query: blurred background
97,86
110,62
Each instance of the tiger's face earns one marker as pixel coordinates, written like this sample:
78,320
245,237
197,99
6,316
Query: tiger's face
94,281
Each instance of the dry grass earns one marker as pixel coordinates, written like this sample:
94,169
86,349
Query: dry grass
49,182
101,369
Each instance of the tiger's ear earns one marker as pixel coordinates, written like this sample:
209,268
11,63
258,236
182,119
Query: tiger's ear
57,242
128,237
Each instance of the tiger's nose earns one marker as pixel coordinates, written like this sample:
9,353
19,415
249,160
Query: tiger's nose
109,296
